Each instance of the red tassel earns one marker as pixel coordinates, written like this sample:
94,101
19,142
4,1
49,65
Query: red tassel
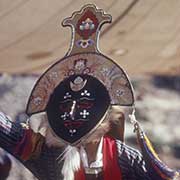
111,169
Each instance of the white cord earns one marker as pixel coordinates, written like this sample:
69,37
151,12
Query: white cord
132,117
134,121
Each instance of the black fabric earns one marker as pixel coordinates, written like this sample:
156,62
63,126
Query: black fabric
10,133
131,163
90,104
46,166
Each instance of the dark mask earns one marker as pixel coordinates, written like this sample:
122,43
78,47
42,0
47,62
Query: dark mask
76,106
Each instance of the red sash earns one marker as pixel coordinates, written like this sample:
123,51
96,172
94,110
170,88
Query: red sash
111,169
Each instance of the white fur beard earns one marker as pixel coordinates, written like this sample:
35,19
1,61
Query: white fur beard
72,162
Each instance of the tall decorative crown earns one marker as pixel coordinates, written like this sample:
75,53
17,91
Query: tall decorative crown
86,25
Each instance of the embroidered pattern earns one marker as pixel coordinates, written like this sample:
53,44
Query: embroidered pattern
65,115
80,64
92,64
87,24
84,43
85,93
119,92
37,100
84,113
67,95
72,131
78,84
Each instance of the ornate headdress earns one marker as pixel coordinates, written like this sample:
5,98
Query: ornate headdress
77,91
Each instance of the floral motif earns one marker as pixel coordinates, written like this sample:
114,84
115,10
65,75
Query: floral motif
119,92
105,71
72,131
37,101
84,43
65,115
53,75
80,64
85,93
87,24
84,113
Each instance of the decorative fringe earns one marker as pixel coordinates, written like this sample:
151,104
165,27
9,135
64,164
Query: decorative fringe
72,162
153,164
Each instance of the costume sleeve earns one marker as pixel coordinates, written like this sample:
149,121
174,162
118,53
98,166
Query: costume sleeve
131,163
157,169
135,165
21,142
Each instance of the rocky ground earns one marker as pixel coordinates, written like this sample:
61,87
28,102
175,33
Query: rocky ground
157,109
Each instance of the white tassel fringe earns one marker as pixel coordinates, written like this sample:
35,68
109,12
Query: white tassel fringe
71,162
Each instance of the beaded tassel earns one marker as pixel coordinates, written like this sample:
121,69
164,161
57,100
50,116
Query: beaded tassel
153,164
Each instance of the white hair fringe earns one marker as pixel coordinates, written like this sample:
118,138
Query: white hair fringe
72,162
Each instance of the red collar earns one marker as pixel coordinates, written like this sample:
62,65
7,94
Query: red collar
111,169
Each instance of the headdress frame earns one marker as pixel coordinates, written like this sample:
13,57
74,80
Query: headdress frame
97,65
